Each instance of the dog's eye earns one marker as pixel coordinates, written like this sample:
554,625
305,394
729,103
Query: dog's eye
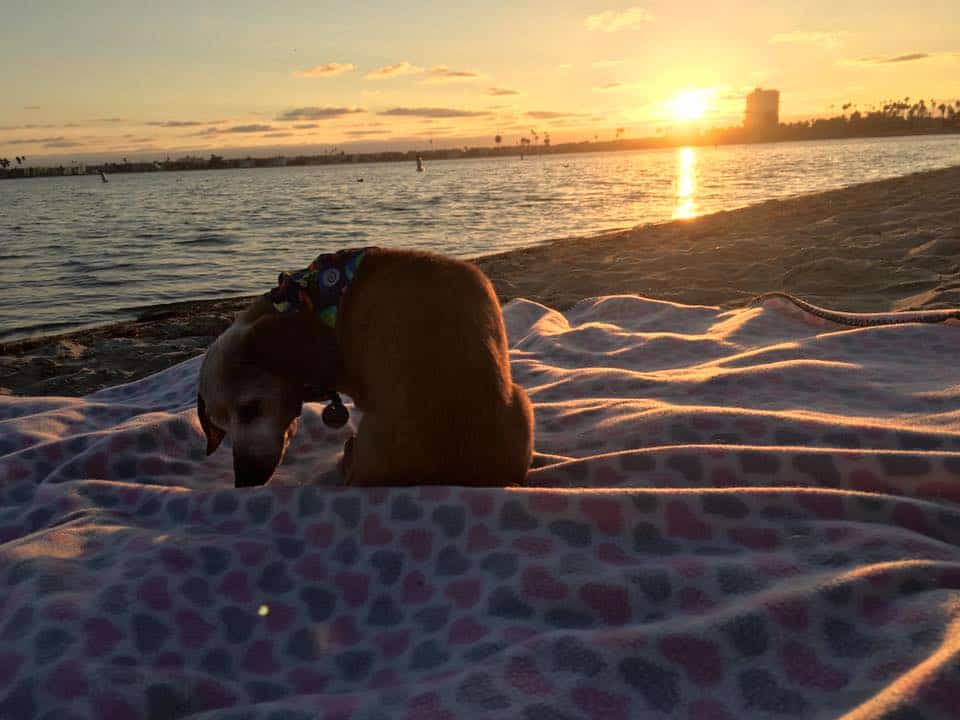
248,411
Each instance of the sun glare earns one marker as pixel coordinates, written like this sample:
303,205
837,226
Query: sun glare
689,106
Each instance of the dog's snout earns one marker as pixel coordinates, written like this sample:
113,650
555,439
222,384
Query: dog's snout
251,471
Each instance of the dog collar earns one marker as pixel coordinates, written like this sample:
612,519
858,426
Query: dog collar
320,287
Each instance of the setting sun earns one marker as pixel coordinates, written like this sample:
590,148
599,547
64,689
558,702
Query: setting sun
690,105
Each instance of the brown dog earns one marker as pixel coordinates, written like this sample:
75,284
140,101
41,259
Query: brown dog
416,339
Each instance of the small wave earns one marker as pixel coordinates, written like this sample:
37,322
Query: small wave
25,332
215,240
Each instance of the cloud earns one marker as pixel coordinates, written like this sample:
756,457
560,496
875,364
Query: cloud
306,126
325,70
433,112
256,127
359,133
618,86
908,57
109,120
31,107
62,143
30,126
552,115
389,71
501,91
830,39
318,113
35,140
443,74
632,18
183,123
277,134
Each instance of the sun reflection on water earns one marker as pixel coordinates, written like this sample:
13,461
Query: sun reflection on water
686,206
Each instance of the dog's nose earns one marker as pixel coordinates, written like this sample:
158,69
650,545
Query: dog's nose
251,472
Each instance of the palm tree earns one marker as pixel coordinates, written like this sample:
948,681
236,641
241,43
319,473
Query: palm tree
524,142
497,139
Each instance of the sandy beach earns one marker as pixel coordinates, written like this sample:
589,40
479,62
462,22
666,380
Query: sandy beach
888,245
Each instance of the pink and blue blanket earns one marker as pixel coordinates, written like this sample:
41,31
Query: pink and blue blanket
742,514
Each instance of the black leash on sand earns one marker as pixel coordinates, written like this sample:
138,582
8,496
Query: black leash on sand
863,319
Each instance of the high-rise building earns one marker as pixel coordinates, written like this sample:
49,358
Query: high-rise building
763,110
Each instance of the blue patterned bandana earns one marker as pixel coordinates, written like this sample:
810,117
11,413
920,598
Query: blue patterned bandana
320,287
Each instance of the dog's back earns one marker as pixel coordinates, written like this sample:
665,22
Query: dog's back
424,341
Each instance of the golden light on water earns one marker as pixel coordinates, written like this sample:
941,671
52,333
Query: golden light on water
686,184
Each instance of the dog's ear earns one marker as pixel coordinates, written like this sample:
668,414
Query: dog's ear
214,434
295,346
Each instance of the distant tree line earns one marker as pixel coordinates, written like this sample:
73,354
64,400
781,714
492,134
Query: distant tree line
894,117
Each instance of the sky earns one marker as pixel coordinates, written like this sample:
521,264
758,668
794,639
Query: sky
149,79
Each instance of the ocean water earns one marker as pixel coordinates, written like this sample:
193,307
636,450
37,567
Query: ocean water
75,251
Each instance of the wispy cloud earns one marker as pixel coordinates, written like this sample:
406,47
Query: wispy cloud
184,123
827,39
306,126
633,18
236,129
501,91
616,86
553,115
36,140
432,112
63,143
906,57
325,70
254,128
109,121
395,70
31,107
361,133
30,126
443,74
318,113
278,135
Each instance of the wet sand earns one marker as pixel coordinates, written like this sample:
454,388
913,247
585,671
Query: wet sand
888,245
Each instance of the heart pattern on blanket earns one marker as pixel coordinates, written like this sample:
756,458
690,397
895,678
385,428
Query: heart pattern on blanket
736,514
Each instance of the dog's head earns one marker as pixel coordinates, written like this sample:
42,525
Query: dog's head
254,380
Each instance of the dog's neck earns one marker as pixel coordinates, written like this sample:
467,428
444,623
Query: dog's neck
318,289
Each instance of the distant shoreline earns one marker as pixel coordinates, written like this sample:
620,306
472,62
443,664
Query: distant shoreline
735,136
879,246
